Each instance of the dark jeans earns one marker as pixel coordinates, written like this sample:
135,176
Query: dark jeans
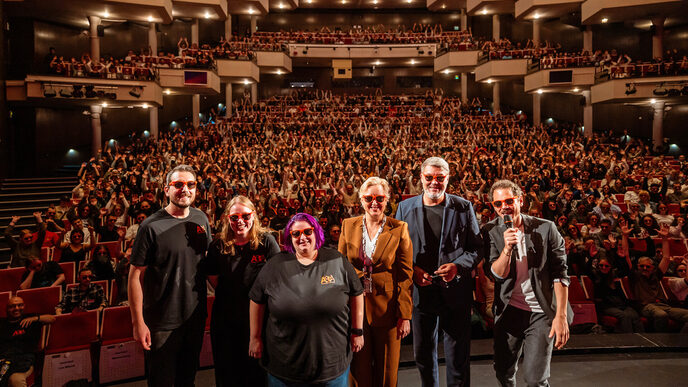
518,331
340,381
456,325
173,358
629,319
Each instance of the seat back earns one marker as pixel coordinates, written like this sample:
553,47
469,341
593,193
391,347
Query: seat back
116,325
10,279
72,332
667,291
69,271
626,287
41,300
576,292
4,299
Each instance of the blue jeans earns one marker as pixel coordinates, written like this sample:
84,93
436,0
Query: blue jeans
340,381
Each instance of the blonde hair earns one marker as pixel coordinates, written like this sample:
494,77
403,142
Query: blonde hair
371,181
255,235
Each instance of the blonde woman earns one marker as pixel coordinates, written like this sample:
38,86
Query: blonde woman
379,247
237,256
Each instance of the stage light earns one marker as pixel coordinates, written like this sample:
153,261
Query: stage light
630,89
604,20
540,91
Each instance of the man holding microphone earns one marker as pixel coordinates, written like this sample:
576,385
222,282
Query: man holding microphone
528,261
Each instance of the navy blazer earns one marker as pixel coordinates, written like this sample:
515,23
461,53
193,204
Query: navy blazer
460,243
546,256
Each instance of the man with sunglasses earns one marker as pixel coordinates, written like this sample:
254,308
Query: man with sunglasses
446,241
86,296
527,259
169,308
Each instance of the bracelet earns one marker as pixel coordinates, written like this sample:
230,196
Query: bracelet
356,332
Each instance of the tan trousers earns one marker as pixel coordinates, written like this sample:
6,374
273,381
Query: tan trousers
18,379
377,364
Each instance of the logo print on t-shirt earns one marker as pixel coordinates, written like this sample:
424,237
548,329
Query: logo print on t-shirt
327,279
200,229
258,259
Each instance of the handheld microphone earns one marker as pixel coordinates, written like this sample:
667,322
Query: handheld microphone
508,222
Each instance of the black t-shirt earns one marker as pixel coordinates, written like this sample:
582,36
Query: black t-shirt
46,276
432,227
306,337
19,344
236,276
173,251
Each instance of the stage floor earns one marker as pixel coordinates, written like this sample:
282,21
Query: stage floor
588,360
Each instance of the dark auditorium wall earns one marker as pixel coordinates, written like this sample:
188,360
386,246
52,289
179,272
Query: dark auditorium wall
69,41
20,47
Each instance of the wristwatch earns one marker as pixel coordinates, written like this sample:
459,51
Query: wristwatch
356,332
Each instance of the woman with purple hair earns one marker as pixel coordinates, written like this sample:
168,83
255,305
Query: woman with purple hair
314,301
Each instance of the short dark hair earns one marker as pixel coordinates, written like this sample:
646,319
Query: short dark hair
505,184
179,168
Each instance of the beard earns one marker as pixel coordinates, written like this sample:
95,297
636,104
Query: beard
434,196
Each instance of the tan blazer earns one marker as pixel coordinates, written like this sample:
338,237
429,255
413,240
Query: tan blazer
392,270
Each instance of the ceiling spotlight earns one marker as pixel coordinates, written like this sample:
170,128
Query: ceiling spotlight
150,19
207,15
279,72
444,6
484,11
575,90
145,106
652,101
540,91
377,63
104,104
409,1
343,1
251,11
106,14
489,81
168,92
413,62
604,20
446,71
536,16
309,1
246,82
374,2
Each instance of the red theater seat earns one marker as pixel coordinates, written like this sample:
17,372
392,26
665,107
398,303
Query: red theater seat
69,270
120,356
10,279
41,300
68,348
4,299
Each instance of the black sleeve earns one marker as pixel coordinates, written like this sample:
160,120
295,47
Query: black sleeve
257,293
143,246
353,282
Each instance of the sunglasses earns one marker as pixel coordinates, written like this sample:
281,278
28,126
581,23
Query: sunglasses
605,265
439,178
181,184
507,201
305,231
377,198
245,217
645,266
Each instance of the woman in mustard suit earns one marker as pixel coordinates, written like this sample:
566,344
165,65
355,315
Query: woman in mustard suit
380,249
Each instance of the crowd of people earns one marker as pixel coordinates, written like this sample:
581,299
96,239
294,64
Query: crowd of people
620,208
